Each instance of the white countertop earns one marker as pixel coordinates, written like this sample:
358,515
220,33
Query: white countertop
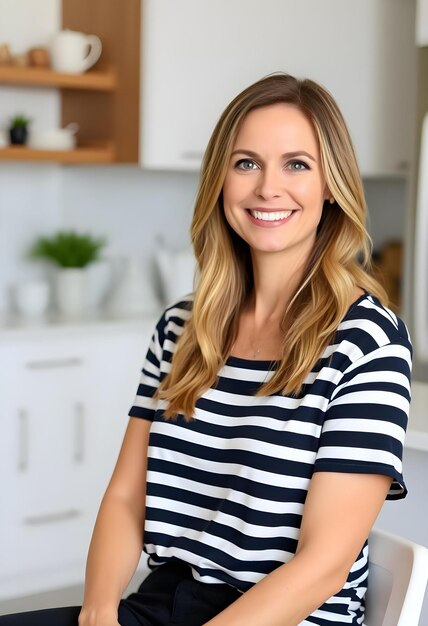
20,331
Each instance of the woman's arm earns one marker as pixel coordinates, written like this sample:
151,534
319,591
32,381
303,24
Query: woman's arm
117,539
339,512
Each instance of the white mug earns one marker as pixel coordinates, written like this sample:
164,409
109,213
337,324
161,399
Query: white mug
73,52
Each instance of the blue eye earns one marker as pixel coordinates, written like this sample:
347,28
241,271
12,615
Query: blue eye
298,166
247,165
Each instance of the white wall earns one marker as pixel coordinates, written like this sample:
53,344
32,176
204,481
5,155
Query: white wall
129,206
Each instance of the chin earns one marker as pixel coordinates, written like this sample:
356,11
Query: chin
268,249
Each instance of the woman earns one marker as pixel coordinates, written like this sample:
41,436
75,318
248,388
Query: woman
277,431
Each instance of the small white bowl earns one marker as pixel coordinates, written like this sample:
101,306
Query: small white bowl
57,139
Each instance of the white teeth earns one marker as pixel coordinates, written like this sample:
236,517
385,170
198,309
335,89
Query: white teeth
268,216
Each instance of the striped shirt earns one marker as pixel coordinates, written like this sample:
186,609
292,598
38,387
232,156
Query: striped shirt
225,491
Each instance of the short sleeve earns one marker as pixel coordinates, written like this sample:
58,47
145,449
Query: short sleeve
367,416
144,406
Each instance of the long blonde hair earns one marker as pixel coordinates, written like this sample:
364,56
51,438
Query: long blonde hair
339,261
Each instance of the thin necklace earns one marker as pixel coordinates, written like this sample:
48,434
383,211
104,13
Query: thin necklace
255,351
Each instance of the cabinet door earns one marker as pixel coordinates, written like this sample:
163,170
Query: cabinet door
46,519
197,55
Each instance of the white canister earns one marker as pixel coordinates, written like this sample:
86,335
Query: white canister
73,52
31,299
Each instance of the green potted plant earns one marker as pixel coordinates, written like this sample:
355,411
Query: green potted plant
71,253
18,129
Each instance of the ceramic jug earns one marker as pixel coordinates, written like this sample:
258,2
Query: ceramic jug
73,52
177,270
132,294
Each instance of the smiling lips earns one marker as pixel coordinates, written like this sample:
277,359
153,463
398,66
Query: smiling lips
268,218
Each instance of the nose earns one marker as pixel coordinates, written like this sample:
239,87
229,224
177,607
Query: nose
270,183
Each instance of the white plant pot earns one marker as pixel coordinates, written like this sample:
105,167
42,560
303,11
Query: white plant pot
71,292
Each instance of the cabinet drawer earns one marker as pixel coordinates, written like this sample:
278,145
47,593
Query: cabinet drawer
46,420
50,540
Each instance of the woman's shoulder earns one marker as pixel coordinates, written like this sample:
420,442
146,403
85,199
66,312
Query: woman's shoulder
373,324
181,308
174,317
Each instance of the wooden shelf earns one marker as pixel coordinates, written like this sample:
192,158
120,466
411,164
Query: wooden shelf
95,80
91,153
105,101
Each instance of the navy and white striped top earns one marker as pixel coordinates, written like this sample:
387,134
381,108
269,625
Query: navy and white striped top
225,491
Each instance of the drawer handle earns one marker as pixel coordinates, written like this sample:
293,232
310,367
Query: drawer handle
79,432
54,363
23,441
51,518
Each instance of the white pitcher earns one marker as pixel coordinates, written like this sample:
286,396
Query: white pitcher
73,52
132,294
177,269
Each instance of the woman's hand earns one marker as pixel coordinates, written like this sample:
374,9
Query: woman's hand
98,617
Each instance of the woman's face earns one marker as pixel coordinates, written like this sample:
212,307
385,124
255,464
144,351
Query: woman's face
274,189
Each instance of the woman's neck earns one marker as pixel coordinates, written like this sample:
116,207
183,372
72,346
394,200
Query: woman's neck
275,282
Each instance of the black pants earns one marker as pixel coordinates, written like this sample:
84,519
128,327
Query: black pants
169,596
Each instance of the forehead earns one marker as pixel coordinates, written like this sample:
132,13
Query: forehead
281,126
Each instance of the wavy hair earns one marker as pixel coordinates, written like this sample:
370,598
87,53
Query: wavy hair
339,261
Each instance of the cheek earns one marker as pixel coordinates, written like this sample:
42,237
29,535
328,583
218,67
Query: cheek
229,192
237,189
306,189
230,217
230,200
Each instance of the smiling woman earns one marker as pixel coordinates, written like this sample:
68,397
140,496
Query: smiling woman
268,425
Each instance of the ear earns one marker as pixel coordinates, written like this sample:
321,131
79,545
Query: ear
328,196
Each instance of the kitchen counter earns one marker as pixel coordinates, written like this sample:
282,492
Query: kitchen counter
14,331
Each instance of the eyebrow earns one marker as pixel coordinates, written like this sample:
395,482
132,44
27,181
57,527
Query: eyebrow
286,155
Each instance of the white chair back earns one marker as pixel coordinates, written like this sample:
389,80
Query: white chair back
398,576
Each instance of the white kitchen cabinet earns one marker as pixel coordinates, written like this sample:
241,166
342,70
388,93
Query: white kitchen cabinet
196,55
422,22
63,411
